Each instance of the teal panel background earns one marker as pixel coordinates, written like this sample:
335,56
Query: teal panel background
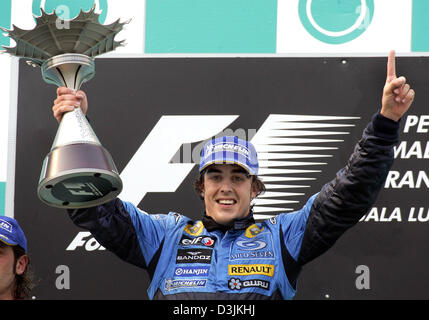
2,198
207,26
5,14
420,36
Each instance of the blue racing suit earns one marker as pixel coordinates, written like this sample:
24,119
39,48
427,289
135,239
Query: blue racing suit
203,260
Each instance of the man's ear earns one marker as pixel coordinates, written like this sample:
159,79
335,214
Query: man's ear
202,189
21,264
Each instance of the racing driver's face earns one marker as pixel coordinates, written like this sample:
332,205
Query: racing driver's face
227,191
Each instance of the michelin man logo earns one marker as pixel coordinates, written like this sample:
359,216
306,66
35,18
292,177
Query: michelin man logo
67,9
336,21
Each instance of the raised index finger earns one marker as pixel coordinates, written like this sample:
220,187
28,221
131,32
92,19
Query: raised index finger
391,66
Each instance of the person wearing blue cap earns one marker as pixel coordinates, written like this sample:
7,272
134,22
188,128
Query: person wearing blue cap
16,281
227,255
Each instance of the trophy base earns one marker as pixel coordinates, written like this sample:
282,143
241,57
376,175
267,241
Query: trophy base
78,176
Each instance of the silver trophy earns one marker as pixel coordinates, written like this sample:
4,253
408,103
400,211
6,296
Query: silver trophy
78,172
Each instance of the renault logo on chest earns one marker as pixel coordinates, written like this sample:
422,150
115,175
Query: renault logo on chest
251,269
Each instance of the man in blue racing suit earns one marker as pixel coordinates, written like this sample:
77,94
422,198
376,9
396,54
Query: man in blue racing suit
226,255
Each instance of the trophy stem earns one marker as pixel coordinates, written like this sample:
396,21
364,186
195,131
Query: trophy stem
68,70
74,128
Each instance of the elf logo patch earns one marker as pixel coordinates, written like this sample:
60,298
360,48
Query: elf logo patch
205,241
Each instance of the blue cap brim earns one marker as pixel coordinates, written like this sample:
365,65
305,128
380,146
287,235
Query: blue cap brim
228,162
7,241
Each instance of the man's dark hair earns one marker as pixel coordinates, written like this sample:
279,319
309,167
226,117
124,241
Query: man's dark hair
198,183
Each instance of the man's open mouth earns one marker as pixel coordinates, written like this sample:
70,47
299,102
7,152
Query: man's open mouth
226,201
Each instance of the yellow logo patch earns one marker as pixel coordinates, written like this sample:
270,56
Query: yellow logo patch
253,231
249,269
195,229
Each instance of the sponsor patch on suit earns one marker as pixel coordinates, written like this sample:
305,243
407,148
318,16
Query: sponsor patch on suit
194,256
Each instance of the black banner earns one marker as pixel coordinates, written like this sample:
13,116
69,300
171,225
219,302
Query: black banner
153,115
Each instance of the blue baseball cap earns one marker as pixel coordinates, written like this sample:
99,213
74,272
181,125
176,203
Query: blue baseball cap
11,233
232,150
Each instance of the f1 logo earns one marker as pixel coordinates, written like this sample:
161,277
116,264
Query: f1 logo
149,169
78,189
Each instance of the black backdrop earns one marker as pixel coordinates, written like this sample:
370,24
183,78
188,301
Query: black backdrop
129,95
